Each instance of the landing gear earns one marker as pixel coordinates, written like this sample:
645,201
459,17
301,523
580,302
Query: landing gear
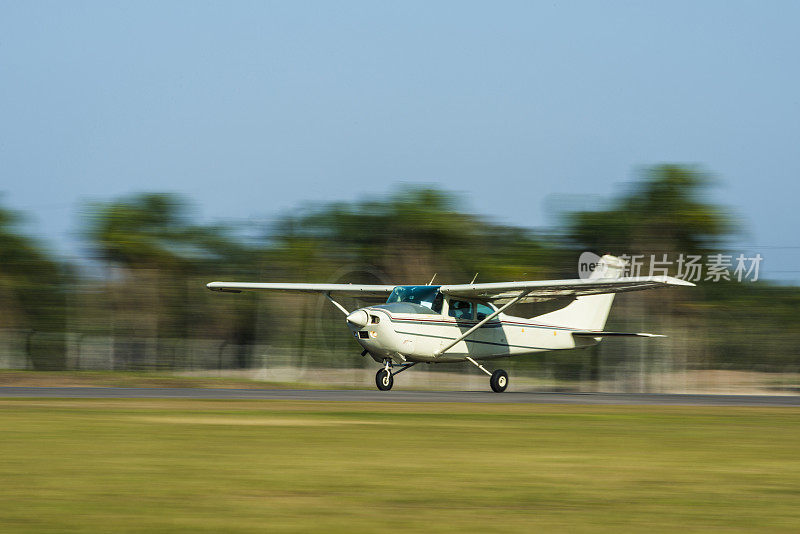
499,381
384,380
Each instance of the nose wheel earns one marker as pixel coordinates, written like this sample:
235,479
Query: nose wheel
384,380
385,377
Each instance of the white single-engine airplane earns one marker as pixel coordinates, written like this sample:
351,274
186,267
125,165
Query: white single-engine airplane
456,323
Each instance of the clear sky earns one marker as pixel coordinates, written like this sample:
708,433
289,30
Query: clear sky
252,109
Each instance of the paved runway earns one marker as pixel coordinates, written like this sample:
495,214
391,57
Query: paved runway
397,396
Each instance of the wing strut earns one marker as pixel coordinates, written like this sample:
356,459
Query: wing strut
482,322
344,311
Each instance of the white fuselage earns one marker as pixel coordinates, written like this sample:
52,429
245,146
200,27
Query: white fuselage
415,337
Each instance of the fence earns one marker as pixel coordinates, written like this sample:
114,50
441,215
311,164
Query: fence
614,366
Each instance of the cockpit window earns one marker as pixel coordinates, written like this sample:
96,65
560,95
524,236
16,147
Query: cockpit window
483,311
460,309
427,296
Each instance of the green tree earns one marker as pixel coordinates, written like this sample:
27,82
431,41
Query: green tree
33,286
160,259
31,281
665,211
410,236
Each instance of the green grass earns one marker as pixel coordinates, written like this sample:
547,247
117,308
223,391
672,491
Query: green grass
276,466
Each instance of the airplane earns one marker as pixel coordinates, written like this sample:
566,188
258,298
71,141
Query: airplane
466,322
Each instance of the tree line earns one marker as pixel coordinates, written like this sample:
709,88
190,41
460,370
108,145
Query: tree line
155,256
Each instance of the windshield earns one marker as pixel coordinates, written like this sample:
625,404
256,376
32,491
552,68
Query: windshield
427,296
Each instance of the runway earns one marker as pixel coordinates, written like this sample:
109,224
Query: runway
325,395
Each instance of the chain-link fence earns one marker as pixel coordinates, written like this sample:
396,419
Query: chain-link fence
629,365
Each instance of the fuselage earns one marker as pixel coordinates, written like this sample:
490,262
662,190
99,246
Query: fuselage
406,331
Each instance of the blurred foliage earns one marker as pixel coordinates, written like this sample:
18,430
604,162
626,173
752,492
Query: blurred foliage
158,257
664,211
32,282
410,237
752,326
156,230
33,286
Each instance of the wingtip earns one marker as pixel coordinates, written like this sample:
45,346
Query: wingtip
213,286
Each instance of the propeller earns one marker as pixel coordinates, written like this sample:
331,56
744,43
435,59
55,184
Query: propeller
358,318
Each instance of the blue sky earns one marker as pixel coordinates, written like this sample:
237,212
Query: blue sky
252,109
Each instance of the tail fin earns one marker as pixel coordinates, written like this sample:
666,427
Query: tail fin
588,312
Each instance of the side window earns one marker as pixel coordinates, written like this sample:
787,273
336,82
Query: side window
484,311
460,309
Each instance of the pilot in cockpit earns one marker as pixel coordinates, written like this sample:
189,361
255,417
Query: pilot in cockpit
460,309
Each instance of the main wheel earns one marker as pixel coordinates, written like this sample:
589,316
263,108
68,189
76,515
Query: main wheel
384,380
499,381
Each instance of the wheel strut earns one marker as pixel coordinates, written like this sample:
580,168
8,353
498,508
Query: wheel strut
479,366
497,380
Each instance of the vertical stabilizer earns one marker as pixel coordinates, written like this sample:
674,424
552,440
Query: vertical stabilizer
589,312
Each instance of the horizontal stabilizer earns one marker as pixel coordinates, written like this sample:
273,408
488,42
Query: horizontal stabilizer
589,333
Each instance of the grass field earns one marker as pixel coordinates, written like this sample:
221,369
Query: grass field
274,466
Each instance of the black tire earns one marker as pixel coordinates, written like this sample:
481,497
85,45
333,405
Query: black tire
499,381
384,380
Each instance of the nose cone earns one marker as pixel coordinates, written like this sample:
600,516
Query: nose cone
358,318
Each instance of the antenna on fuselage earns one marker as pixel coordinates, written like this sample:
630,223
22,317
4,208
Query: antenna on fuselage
432,279
474,278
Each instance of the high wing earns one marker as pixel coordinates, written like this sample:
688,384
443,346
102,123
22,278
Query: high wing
540,290
347,290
